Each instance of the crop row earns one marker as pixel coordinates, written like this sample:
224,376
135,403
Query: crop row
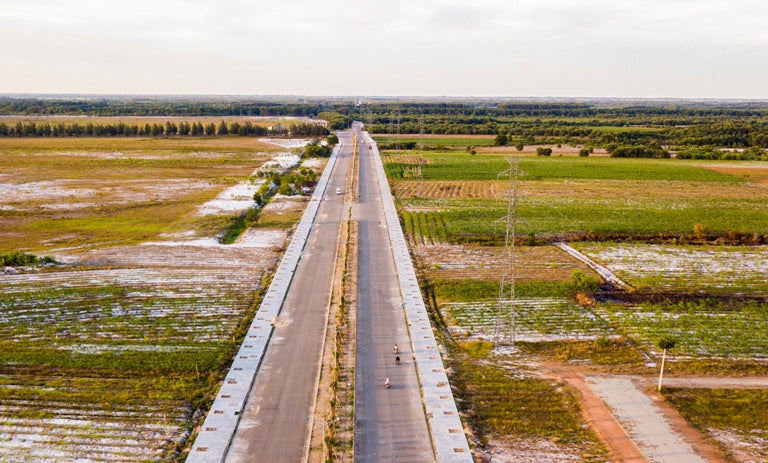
723,269
704,330
473,219
534,319
424,227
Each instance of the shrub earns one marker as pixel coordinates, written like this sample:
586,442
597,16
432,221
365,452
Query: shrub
583,283
541,151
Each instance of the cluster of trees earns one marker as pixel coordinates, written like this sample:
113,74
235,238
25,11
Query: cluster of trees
651,150
297,182
23,259
182,128
710,152
315,149
305,129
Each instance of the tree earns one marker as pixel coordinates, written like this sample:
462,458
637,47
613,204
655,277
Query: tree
210,129
519,146
222,129
501,139
664,343
332,139
541,151
584,152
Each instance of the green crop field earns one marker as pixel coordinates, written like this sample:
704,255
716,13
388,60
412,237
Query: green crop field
472,220
452,166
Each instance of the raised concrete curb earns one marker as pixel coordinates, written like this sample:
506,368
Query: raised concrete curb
219,427
448,438
604,272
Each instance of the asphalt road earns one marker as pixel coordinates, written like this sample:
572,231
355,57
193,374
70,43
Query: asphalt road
274,426
390,425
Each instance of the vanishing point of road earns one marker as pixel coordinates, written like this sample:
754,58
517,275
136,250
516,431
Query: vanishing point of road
390,424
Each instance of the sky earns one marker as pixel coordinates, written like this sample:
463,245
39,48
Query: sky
486,48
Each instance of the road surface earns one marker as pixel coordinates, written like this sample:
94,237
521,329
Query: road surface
390,425
274,425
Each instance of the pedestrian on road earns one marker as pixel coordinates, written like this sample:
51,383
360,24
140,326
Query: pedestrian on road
395,349
386,383
397,360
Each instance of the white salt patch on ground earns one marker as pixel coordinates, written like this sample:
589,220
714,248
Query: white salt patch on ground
252,238
102,348
287,142
745,448
643,421
726,265
282,161
233,199
262,238
40,190
281,203
312,163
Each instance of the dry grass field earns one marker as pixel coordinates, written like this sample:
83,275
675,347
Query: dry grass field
61,193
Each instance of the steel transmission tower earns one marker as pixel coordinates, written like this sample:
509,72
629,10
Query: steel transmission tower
505,320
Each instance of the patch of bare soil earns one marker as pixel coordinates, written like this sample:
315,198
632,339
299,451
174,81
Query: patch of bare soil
751,172
448,261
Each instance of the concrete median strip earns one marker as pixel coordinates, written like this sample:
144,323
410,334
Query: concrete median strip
448,438
218,429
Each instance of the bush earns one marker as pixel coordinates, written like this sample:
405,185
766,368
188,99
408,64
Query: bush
332,139
23,259
315,149
541,151
583,283
584,152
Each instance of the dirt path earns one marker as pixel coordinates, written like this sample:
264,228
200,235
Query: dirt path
648,423
598,416
636,424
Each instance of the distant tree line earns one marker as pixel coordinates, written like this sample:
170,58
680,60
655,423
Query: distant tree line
155,107
101,129
631,126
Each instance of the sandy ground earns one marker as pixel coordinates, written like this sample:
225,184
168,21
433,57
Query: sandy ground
656,438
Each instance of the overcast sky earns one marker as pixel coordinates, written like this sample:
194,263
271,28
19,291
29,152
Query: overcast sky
559,48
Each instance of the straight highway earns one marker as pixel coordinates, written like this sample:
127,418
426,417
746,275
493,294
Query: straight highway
274,425
390,424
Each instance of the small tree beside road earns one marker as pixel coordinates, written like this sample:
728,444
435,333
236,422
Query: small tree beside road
664,343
